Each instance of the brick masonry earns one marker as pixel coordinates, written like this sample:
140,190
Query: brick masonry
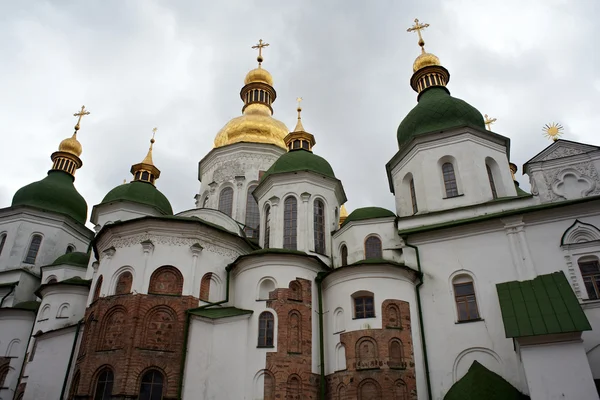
131,334
289,370
379,362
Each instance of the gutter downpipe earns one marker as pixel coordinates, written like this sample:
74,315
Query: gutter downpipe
186,331
319,281
12,289
420,311
62,392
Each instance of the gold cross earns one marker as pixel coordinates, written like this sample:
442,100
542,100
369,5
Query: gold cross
299,100
488,122
80,114
154,132
418,27
260,46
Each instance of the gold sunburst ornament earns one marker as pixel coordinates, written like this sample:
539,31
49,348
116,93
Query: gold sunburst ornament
553,131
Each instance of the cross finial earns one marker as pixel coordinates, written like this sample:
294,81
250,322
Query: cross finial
80,114
488,122
299,100
418,27
260,46
152,140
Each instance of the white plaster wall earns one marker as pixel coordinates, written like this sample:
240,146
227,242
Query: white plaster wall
62,272
558,371
120,211
216,355
14,336
48,369
245,282
385,283
469,152
354,234
24,290
214,217
56,296
306,188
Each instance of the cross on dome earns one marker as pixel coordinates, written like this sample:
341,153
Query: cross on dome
418,27
80,114
260,46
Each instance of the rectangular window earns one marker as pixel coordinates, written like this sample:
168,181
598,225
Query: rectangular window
590,272
466,304
363,307
413,196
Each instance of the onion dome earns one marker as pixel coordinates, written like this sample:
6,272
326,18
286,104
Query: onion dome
343,214
256,124
142,190
75,258
436,109
56,192
364,213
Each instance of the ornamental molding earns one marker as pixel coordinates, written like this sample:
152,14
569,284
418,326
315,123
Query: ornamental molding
227,167
584,171
562,152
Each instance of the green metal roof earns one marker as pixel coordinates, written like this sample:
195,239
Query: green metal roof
54,193
221,312
75,281
543,305
300,160
27,305
140,192
436,111
76,258
368,213
479,383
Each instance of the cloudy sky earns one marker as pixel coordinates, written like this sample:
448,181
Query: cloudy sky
179,66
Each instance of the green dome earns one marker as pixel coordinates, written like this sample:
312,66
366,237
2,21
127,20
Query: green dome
140,192
368,213
300,160
76,258
436,111
481,383
54,193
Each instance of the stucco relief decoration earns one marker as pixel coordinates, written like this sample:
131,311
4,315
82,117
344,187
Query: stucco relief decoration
574,181
562,152
243,163
228,171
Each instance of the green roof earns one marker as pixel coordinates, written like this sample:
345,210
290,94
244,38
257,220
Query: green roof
8,284
140,192
300,160
368,213
480,383
75,281
437,111
76,258
544,305
217,313
54,193
377,261
261,252
27,305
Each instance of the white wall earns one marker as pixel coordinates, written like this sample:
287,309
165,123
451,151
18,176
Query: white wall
62,305
119,211
14,335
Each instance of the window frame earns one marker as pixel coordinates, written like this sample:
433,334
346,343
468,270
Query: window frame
450,180
462,280
290,223
319,226
29,258
225,204
267,233
361,298
111,382
373,236
266,333
155,372
491,181
595,276
413,195
343,255
3,237
251,205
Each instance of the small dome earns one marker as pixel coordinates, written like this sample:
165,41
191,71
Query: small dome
425,60
436,111
255,126
140,192
259,75
76,258
300,160
54,193
71,145
368,213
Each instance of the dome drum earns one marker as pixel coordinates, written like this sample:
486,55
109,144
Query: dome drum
258,92
427,77
65,161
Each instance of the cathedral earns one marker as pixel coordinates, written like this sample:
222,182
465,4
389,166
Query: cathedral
471,288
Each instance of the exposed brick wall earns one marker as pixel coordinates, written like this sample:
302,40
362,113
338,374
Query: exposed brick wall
124,283
166,280
289,370
130,334
379,362
205,286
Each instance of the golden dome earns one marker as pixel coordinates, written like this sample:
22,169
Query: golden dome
71,145
259,75
256,125
425,60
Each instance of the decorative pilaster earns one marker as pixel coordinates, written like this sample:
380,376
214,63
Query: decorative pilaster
305,241
514,228
195,249
276,240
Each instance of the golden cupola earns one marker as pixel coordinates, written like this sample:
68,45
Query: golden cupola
67,157
299,138
146,171
256,124
427,69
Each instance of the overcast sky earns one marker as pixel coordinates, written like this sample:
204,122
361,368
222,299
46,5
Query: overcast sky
179,66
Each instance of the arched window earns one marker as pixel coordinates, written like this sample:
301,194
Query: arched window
590,272
52,279
205,286
364,306
252,214
319,226
70,249
373,248
290,223
396,356
97,288
34,247
226,201
166,280
265,287
294,388
449,180
344,254
63,311
266,326
205,202
413,196
74,385
338,320
2,241
369,389
400,390
151,387
491,179
267,227
124,283
104,385
464,296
